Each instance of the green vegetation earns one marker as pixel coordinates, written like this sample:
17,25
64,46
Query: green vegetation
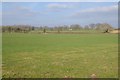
60,55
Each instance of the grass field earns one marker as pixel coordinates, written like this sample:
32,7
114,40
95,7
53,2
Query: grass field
59,55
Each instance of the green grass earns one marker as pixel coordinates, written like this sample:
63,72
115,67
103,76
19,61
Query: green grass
60,55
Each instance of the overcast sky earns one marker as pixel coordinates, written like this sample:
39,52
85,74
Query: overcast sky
59,13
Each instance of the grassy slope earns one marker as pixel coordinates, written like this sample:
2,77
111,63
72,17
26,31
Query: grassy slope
60,55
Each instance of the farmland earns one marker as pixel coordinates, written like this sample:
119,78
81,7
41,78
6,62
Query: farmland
59,55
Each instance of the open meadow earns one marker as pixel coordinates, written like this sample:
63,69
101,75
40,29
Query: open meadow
59,55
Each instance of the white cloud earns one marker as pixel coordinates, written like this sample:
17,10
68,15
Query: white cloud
98,9
58,6
101,9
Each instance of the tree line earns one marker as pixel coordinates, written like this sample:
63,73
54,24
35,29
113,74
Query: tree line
73,27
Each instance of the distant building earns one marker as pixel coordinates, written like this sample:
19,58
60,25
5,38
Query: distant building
115,31
70,29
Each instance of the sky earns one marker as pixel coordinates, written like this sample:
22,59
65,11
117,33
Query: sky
59,13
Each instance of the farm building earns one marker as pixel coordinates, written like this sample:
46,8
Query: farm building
115,31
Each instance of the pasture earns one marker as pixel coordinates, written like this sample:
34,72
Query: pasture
59,55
